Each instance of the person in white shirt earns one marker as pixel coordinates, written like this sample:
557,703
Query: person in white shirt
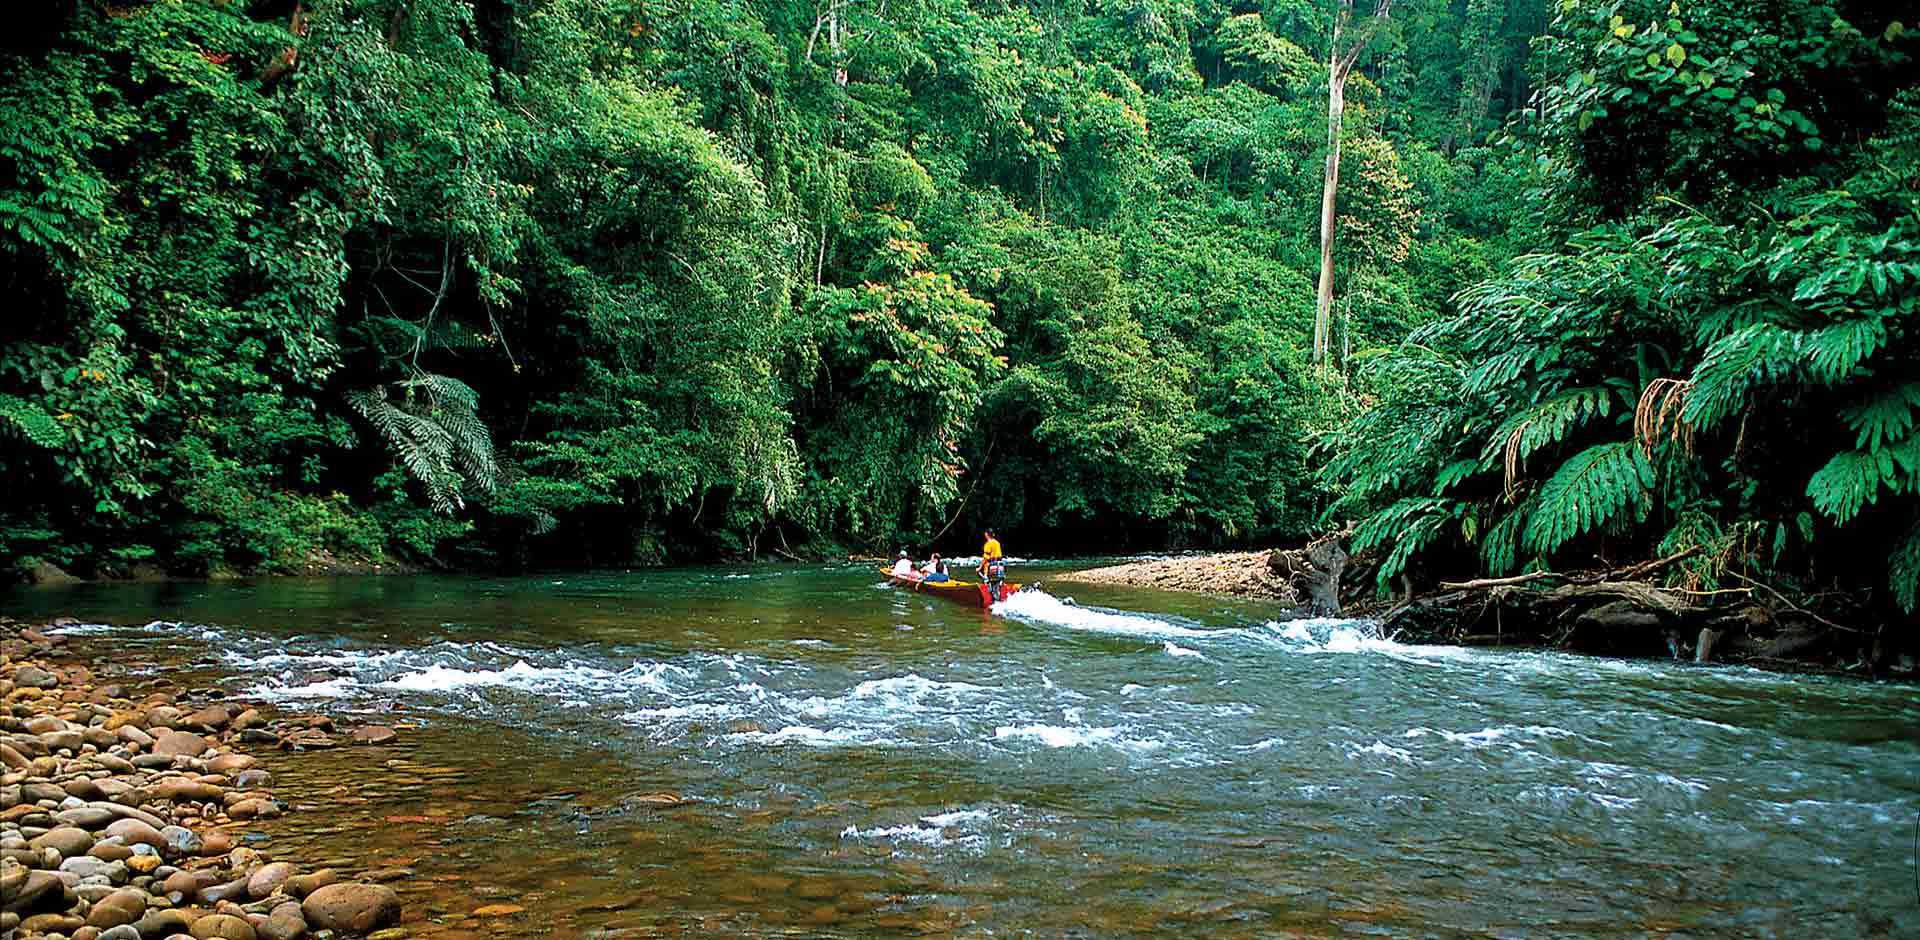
903,566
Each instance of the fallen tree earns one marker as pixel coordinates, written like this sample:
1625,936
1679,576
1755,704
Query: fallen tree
1625,611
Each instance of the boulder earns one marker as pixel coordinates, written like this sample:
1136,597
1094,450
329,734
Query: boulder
67,840
12,759
165,922
181,841
34,677
358,908
179,744
86,867
29,892
214,717
300,886
267,878
137,832
285,923
124,906
230,762
51,923
186,790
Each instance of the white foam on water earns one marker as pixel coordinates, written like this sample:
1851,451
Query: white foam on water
1613,801
1057,736
1379,749
1330,635
924,835
1176,650
1693,786
332,688
1036,606
82,629
656,677
884,697
938,830
955,818
520,675
334,658
1504,735
1264,745
697,711
807,735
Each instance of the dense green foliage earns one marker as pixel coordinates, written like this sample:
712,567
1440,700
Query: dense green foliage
1712,348
597,281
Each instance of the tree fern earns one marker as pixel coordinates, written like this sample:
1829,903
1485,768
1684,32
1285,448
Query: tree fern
1597,486
434,431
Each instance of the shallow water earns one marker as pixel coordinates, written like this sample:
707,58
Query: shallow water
851,760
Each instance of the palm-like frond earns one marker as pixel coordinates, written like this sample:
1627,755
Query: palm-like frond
435,432
1597,486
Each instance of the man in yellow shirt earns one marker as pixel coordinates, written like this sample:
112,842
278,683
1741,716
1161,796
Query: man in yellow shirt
993,565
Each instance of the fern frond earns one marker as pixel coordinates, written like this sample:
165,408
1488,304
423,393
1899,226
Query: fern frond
1849,482
1546,423
1409,524
1594,487
436,435
1884,418
1501,550
1835,352
1756,354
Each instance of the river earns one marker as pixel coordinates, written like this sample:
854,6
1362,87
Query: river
771,751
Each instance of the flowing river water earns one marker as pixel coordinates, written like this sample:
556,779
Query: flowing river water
780,751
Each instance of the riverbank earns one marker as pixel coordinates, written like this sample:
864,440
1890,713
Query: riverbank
126,804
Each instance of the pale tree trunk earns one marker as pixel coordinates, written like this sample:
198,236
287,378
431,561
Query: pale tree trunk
836,34
1323,308
1340,64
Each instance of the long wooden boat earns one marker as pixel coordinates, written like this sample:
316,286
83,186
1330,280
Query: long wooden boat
969,593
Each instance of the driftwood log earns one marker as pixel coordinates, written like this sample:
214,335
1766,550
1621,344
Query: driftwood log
1621,611
1313,573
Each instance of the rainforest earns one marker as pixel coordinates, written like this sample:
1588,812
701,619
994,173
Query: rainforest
1493,286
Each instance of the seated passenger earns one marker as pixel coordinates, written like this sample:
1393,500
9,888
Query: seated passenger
936,570
903,566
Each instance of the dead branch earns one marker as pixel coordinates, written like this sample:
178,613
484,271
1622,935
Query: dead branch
1483,583
1782,598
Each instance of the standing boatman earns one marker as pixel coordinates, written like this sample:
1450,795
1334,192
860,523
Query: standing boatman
993,565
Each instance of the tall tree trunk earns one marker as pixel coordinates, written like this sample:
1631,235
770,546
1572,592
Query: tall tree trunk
1340,64
1323,308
